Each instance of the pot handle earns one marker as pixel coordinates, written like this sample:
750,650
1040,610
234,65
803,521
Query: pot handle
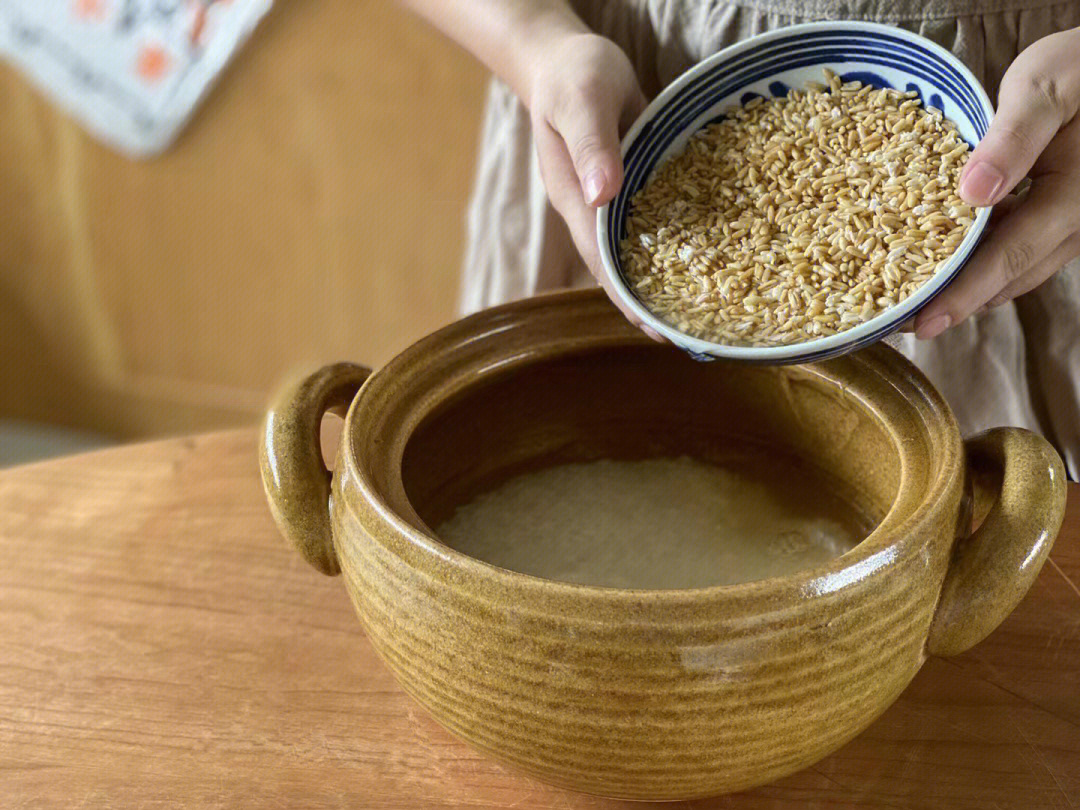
295,479
992,568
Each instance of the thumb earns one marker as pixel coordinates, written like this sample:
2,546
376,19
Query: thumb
591,133
1029,114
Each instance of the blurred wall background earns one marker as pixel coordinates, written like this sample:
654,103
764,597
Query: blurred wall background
311,212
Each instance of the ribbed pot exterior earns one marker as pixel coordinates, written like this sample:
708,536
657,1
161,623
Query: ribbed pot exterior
640,694
640,697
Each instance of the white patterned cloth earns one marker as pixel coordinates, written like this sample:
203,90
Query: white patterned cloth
132,71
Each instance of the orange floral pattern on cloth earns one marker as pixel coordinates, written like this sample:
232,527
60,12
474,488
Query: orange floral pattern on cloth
153,63
132,71
90,9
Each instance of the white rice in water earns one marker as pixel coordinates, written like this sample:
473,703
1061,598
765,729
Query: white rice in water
657,523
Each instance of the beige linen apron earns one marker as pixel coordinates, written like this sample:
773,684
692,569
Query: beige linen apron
1017,365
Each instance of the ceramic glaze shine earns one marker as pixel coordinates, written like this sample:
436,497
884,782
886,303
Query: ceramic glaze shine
658,523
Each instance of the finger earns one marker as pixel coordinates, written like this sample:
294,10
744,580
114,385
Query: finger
1030,112
1020,242
1058,258
651,333
1003,209
589,124
560,180
635,106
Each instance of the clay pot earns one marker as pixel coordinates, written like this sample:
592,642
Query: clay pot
664,694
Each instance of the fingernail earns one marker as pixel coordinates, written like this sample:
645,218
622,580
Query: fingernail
933,327
981,183
594,185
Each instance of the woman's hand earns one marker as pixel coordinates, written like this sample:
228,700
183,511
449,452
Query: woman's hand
583,96
1036,130
581,92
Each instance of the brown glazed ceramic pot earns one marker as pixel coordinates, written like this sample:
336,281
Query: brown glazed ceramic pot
653,694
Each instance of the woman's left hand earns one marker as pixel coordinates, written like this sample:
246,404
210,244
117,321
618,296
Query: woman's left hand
1036,131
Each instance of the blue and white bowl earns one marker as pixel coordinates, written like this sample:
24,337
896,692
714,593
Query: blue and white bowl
770,65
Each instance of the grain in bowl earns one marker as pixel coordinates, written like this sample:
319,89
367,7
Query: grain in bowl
798,217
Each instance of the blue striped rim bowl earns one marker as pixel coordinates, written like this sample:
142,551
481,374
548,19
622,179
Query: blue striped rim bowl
769,65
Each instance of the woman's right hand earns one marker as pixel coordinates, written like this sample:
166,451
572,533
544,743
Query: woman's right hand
581,92
582,96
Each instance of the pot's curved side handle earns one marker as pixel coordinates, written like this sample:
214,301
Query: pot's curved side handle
992,569
295,479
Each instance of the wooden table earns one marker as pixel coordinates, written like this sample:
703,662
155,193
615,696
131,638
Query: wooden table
161,647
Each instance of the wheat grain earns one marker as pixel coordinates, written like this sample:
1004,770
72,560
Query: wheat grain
798,217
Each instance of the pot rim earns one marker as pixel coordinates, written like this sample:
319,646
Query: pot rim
896,534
